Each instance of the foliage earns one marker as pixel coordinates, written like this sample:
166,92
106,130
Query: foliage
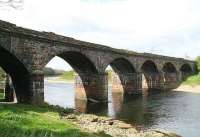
52,72
193,80
198,63
17,120
68,75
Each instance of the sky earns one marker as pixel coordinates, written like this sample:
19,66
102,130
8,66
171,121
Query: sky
166,27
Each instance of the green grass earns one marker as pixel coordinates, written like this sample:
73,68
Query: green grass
68,75
17,120
193,80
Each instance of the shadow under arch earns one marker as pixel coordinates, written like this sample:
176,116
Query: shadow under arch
79,62
19,74
169,68
125,79
185,71
151,74
87,81
170,76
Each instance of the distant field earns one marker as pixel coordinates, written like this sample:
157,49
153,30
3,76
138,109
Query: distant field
69,75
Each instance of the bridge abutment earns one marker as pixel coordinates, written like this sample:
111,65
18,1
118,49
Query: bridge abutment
92,87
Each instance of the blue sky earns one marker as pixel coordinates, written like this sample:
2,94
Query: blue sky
167,27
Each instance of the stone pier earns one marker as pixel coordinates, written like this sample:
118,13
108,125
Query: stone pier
129,84
36,95
92,87
152,81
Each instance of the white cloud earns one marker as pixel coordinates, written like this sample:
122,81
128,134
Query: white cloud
168,27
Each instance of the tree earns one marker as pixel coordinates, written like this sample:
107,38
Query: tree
198,63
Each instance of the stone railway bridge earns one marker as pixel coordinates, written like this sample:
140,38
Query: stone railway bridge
24,54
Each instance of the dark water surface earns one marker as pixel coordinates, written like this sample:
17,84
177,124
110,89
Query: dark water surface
174,111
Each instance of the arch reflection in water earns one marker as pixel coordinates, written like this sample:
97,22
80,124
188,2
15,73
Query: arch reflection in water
88,107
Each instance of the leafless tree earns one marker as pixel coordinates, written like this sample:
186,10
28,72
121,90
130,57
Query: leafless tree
16,4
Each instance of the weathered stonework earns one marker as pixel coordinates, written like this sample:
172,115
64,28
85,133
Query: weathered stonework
24,53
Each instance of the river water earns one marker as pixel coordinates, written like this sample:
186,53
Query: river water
174,111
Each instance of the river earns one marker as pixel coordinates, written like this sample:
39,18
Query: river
174,111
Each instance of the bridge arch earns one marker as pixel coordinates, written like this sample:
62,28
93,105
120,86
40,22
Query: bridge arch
151,75
19,74
185,70
169,68
149,67
88,81
122,66
170,75
122,80
79,62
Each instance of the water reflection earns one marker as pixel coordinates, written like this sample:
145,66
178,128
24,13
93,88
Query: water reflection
85,107
176,111
117,102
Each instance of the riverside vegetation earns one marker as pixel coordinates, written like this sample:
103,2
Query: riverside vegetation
194,80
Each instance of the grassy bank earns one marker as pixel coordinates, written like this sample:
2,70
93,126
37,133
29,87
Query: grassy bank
192,80
68,75
195,79
18,120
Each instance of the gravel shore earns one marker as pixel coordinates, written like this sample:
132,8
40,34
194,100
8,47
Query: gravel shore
112,127
188,88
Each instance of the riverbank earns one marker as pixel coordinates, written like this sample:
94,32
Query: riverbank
188,88
58,79
17,120
113,127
